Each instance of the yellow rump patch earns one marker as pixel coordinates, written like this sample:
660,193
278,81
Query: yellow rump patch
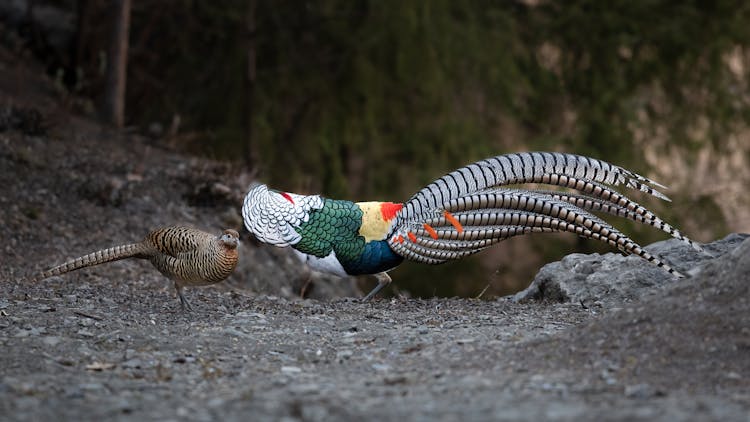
374,226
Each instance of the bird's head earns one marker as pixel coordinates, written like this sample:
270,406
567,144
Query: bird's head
230,238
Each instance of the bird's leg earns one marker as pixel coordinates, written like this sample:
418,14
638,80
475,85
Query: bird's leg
307,283
383,280
183,302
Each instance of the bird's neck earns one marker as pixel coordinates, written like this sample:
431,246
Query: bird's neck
377,219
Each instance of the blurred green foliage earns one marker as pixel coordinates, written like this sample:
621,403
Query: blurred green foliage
375,98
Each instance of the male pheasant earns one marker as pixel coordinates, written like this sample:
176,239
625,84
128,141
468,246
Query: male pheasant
457,215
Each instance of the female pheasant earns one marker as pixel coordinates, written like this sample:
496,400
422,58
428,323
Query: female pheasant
457,215
187,256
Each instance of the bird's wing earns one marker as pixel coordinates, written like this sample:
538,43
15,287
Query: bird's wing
175,241
273,217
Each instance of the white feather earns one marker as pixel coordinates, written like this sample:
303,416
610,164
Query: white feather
273,218
329,264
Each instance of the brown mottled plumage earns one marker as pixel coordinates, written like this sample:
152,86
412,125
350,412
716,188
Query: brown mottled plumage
187,256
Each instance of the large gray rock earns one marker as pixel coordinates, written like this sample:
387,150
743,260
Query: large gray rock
611,279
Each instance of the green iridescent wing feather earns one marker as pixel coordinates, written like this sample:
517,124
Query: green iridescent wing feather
335,227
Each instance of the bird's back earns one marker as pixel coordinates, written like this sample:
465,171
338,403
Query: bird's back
191,256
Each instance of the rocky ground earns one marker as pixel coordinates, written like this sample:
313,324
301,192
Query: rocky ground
595,337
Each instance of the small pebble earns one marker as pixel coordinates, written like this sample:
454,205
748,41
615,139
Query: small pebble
291,369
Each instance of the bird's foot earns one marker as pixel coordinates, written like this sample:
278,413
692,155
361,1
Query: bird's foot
184,304
383,280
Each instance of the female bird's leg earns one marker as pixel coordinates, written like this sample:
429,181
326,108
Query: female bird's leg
383,280
185,304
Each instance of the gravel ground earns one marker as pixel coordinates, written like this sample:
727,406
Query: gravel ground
96,349
110,342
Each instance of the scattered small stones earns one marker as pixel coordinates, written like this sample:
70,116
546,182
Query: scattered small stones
26,120
132,363
344,354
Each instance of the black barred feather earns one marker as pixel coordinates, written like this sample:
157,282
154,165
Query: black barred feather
114,253
485,211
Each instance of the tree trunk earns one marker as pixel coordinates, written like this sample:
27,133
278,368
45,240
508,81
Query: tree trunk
250,74
114,96
78,52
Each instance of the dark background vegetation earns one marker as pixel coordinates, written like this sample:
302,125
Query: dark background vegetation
373,99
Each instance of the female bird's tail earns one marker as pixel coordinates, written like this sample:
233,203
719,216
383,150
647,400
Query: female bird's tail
115,253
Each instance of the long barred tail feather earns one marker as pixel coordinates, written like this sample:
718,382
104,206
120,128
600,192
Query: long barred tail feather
472,208
565,170
637,213
115,253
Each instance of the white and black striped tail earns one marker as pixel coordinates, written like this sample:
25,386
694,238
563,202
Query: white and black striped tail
566,170
469,209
